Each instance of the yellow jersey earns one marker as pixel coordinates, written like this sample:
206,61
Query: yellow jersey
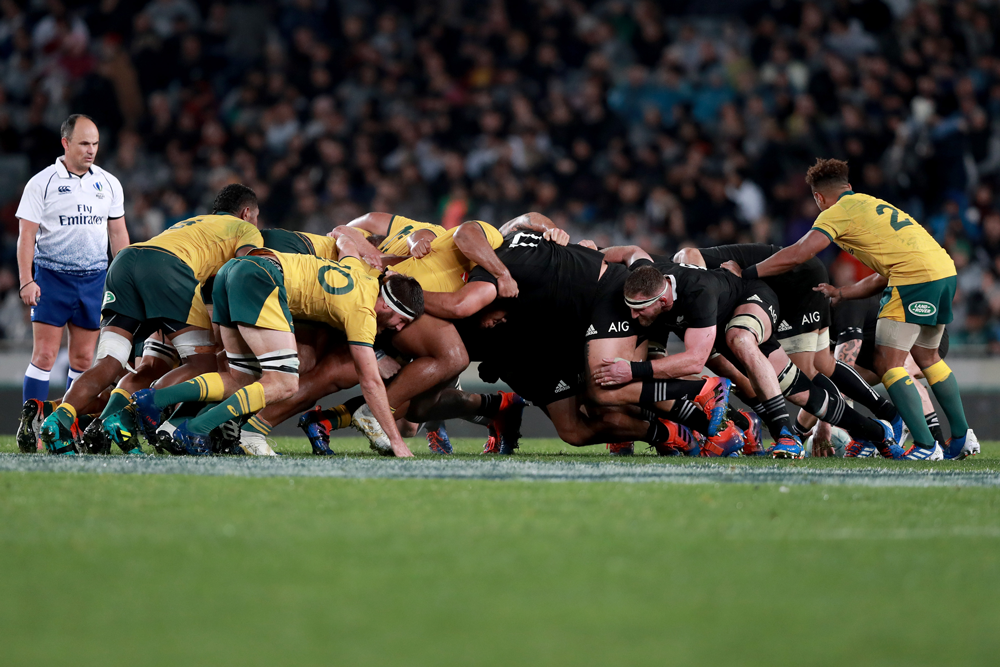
206,242
400,229
885,239
301,243
445,268
341,294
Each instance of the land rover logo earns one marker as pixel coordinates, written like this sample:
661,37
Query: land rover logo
108,298
922,308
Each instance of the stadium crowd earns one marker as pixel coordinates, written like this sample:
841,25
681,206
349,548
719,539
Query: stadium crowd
625,122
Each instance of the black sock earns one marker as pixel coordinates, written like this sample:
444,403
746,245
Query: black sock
934,424
740,419
774,412
839,413
689,414
799,429
185,410
490,405
656,432
852,386
654,391
352,404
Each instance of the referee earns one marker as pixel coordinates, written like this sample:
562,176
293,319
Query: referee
67,214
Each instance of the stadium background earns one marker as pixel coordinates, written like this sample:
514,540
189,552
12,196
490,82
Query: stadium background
659,124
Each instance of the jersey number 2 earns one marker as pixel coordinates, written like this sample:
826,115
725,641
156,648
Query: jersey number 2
894,222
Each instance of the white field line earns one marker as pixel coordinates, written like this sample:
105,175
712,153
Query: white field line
494,469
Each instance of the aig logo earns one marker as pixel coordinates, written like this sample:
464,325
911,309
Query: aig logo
64,189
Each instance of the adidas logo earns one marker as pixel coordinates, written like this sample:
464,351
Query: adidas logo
784,326
562,386
755,298
590,332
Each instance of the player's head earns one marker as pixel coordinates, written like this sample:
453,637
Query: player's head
376,239
493,314
828,179
237,200
647,294
80,140
400,301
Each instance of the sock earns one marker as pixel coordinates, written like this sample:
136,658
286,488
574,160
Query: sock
490,405
838,413
351,405
119,399
755,405
654,391
246,401
799,429
945,388
65,414
657,432
432,426
36,384
71,375
899,384
339,416
83,421
479,419
207,387
774,412
689,414
740,419
934,424
852,386
48,407
256,424
186,410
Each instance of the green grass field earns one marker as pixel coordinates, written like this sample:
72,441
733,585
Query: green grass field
107,569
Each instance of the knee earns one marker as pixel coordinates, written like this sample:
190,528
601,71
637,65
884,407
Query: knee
742,343
454,360
284,385
44,358
572,436
81,360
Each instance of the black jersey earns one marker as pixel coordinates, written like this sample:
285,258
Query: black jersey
790,284
855,319
702,298
556,284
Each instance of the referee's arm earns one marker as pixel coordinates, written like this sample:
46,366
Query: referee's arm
117,234
29,289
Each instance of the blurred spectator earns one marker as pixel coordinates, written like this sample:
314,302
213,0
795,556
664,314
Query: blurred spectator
628,122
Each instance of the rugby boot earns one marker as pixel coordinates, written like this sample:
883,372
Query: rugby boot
317,426
918,453
621,448
438,441
225,439
859,449
888,447
788,446
95,439
365,421
729,442
147,414
492,445
681,441
714,400
164,442
192,444
961,448
753,437
29,425
57,438
508,422
123,431
898,429
255,444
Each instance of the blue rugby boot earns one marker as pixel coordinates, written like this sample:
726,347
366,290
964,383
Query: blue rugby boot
787,446
961,448
438,441
147,414
317,426
714,400
192,444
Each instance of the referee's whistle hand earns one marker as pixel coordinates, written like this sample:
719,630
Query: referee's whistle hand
30,294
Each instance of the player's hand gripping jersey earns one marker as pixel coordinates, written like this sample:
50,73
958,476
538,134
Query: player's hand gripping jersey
885,239
400,229
445,268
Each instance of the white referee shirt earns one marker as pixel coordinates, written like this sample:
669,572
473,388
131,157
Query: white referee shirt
72,213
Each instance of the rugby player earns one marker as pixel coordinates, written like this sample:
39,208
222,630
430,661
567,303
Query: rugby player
804,328
713,310
918,281
156,285
255,298
559,287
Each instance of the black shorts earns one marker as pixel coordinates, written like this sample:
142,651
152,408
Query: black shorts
610,317
803,310
759,294
541,383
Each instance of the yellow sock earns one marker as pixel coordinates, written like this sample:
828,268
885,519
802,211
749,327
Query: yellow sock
937,373
894,375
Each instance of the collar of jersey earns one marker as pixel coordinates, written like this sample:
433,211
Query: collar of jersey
673,287
64,172
845,193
